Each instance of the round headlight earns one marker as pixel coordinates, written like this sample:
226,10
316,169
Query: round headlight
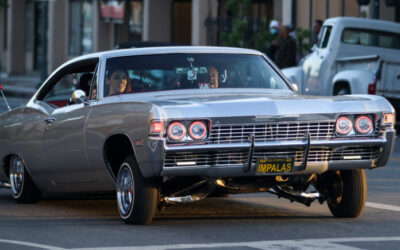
343,125
198,130
363,124
176,131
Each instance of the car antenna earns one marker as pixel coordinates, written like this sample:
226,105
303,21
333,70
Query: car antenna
4,97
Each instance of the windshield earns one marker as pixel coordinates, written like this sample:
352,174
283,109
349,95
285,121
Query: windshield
135,74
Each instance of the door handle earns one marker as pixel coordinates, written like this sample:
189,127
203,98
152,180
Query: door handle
49,121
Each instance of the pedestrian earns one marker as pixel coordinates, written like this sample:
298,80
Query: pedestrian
285,55
316,28
273,30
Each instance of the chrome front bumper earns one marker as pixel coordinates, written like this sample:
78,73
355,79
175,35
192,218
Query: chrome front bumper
316,162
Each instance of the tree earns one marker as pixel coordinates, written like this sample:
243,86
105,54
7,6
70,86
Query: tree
243,31
3,4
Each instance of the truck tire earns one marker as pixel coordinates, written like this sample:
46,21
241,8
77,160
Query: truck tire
23,189
342,91
347,193
137,197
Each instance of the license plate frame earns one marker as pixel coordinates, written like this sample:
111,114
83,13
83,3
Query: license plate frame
275,165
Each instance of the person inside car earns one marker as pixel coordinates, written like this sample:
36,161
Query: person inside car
213,74
118,82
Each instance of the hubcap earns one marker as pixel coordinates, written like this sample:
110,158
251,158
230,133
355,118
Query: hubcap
125,190
16,175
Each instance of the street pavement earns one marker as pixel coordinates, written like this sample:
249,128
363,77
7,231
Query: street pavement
250,221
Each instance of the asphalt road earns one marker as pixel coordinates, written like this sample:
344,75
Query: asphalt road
252,221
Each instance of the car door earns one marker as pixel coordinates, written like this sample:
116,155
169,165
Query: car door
65,163
314,66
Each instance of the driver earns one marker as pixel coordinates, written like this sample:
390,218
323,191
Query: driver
213,74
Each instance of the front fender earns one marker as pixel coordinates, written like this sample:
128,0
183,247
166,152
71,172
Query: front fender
358,80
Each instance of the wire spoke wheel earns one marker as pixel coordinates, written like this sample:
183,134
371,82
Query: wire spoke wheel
137,197
23,189
16,175
125,190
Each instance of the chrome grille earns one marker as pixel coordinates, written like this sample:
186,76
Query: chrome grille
318,154
282,131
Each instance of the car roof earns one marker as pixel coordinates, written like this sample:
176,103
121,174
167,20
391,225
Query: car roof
165,50
366,23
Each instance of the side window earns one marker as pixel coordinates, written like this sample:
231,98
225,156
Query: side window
325,35
61,92
58,90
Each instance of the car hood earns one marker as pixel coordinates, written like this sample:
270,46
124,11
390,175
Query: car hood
270,104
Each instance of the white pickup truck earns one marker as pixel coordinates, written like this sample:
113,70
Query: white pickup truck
353,56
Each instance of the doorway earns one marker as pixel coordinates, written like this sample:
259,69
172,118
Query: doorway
181,22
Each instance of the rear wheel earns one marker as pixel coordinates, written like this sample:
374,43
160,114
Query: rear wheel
137,197
23,189
347,193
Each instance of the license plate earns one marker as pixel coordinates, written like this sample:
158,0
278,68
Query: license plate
275,165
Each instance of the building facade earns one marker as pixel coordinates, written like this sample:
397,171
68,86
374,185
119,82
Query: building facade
38,36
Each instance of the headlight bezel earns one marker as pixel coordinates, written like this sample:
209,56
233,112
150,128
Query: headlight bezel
357,125
348,130
189,137
355,118
169,131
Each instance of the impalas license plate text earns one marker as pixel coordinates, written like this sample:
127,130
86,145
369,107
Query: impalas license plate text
275,165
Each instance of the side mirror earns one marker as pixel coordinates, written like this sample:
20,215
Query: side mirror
78,96
295,87
314,48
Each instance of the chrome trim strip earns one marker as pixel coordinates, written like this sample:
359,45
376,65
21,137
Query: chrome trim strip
283,144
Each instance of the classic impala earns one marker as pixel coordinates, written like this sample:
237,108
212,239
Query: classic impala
173,125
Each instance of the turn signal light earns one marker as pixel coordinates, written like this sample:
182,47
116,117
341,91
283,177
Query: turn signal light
388,119
156,128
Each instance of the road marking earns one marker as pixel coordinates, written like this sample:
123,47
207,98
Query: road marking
329,243
383,206
29,244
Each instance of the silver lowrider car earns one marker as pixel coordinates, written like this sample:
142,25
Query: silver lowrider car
163,126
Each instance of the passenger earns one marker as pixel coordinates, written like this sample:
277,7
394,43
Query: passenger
213,74
118,82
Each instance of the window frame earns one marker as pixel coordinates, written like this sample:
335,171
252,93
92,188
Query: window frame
75,67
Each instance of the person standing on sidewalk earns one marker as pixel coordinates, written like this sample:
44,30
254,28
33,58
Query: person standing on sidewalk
285,55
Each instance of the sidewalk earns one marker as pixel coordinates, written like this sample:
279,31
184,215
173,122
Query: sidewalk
19,86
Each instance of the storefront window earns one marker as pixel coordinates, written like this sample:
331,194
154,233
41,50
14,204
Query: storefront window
136,17
80,27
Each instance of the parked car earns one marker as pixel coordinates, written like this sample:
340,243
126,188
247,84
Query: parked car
143,44
162,126
353,56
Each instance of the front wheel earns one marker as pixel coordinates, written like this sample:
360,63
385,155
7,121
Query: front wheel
347,193
137,197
